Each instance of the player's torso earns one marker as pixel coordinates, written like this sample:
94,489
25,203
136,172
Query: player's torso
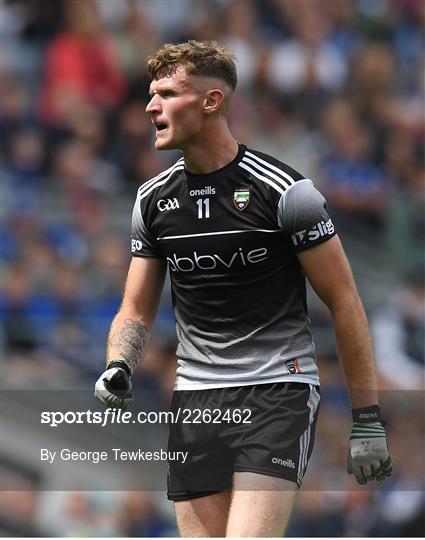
238,289
227,257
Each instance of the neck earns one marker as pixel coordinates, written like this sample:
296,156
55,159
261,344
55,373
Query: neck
210,152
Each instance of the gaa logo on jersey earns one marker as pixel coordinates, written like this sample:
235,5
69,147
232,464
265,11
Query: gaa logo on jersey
136,245
241,198
292,366
169,204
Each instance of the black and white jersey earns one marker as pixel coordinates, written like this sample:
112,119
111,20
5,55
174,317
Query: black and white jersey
230,239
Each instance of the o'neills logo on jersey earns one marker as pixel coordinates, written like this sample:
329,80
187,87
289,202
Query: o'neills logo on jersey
241,198
323,228
212,262
207,190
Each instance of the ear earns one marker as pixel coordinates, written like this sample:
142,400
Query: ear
213,100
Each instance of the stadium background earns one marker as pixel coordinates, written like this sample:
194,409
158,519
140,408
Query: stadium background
334,88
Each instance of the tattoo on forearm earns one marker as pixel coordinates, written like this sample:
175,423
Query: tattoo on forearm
131,342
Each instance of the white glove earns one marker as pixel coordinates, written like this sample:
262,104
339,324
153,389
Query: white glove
113,388
368,456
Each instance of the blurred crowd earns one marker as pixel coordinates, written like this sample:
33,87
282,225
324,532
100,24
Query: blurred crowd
332,87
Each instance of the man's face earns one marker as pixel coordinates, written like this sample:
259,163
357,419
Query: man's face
176,110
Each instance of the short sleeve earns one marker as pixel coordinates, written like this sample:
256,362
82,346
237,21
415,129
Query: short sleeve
302,215
143,244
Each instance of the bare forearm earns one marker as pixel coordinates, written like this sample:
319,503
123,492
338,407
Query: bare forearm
128,339
355,351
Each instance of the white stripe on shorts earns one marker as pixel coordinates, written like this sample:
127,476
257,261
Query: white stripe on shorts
312,403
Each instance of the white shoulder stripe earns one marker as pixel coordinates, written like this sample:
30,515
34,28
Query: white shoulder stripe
269,174
158,183
159,176
278,188
270,166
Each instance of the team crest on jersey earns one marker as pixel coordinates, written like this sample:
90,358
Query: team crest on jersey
292,366
241,198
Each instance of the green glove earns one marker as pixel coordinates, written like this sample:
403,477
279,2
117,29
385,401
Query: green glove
368,455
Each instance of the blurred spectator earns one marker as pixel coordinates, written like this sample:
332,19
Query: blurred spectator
131,138
81,172
103,296
240,36
285,135
78,519
80,514
169,18
140,518
57,304
307,66
81,67
402,512
398,329
342,33
158,369
409,42
88,125
405,217
25,170
207,25
145,165
14,109
243,120
380,101
19,332
89,514
373,79
40,257
134,35
18,509
313,514
355,187
21,227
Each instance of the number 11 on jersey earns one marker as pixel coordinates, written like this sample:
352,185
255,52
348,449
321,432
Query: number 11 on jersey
203,208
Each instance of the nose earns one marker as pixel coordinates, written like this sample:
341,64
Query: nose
153,105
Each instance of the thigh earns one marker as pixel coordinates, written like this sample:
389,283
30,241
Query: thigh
261,505
203,516
198,464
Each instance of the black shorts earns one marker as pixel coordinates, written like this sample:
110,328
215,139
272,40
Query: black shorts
264,428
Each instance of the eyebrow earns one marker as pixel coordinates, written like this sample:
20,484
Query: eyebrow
163,89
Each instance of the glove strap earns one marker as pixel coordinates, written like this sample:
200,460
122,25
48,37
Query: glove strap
364,415
119,364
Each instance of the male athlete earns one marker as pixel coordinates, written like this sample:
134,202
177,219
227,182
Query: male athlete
239,231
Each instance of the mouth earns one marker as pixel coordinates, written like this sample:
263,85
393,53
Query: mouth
160,127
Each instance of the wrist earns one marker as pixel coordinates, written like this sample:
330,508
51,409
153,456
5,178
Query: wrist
119,363
363,415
